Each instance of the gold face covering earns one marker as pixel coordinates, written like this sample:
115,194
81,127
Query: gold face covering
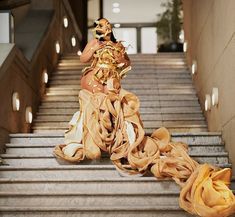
105,29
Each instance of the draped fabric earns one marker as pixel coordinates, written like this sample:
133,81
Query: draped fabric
111,123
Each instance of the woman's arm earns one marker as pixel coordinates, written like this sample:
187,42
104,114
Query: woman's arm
89,50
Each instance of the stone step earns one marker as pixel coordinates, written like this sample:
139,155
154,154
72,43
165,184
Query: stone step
146,73
46,160
94,211
77,199
176,129
138,91
153,110
170,63
142,97
156,103
196,138
144,117
139,67
92,185
147,124
130,77
21,149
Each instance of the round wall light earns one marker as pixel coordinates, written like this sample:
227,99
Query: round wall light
117,25
73,41
194,67
65,22
207,102
116,10
15,101
185,46
45,76
79,53
28,115
215,96
57,47
115,4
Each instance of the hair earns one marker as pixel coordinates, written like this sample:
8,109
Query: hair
112,38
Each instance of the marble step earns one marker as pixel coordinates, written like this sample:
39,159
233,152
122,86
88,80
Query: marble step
158,73
138,91
130,76
144,117
196,138
21,149
139,67
94,211
142,110
173,129
136,82
81,185
142,97
22,160
154,103
147,124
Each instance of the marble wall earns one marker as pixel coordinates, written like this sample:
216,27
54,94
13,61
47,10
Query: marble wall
210,31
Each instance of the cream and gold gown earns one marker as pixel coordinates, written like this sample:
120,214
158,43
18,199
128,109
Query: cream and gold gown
111,123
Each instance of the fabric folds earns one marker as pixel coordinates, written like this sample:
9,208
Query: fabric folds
111,123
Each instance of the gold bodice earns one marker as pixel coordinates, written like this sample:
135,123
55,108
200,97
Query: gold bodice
105,63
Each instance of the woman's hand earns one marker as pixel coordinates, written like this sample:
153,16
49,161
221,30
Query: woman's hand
89,50
97,45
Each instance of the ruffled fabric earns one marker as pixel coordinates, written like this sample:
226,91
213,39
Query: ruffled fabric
111,123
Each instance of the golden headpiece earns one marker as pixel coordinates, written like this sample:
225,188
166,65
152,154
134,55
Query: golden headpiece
107,26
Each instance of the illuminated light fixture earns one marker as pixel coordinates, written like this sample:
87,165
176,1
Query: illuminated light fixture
207,102
215,96
73,41
185,46
16,101
117,25
45,76
79,53
115,4
116,10
181,35
194,67
65,22
28,115
57,47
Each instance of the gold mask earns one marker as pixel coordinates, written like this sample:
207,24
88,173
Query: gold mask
106,26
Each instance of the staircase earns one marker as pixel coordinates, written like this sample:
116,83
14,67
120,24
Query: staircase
34,183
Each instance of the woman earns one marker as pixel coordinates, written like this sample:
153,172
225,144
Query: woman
109,121
105,65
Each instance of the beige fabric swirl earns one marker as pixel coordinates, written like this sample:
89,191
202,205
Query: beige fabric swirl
204,190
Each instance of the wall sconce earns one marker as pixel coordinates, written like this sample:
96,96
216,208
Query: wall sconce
117,25
194,67
57,47
79,53
45,76
115,4
28,115
215,96
15,101
185,46
207,102
116,10
73,41
65,22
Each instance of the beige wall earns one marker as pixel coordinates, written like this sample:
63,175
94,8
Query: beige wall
209,27
17,74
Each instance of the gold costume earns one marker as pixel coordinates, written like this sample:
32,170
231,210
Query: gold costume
111,123
105,64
